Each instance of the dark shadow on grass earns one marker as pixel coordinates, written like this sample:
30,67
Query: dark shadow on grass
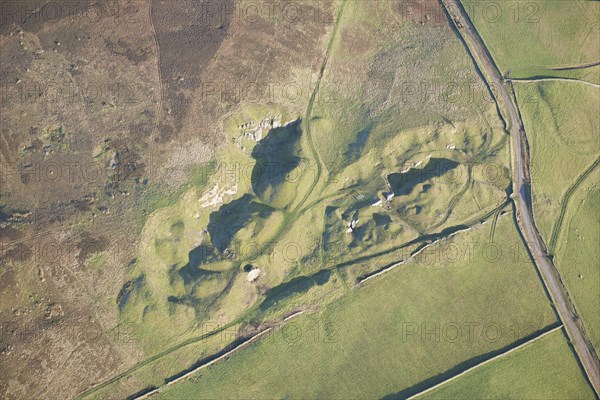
142,392
295,286
277,155
403,184
201,255
232,217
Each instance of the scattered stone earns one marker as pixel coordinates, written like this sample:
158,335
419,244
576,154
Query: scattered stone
253,275
114,162
54,311
352,225
377,203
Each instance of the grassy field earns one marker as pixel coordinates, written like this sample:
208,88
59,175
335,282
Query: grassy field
578,255
544,369
526,36
563,134
417,315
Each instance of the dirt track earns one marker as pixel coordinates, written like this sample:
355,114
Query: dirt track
507,105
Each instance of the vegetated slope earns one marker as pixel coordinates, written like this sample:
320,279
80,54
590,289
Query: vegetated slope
406,155
404,73
445,150
239,219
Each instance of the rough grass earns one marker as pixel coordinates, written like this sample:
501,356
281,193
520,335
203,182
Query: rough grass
382,339
154,374
544,369
397,79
